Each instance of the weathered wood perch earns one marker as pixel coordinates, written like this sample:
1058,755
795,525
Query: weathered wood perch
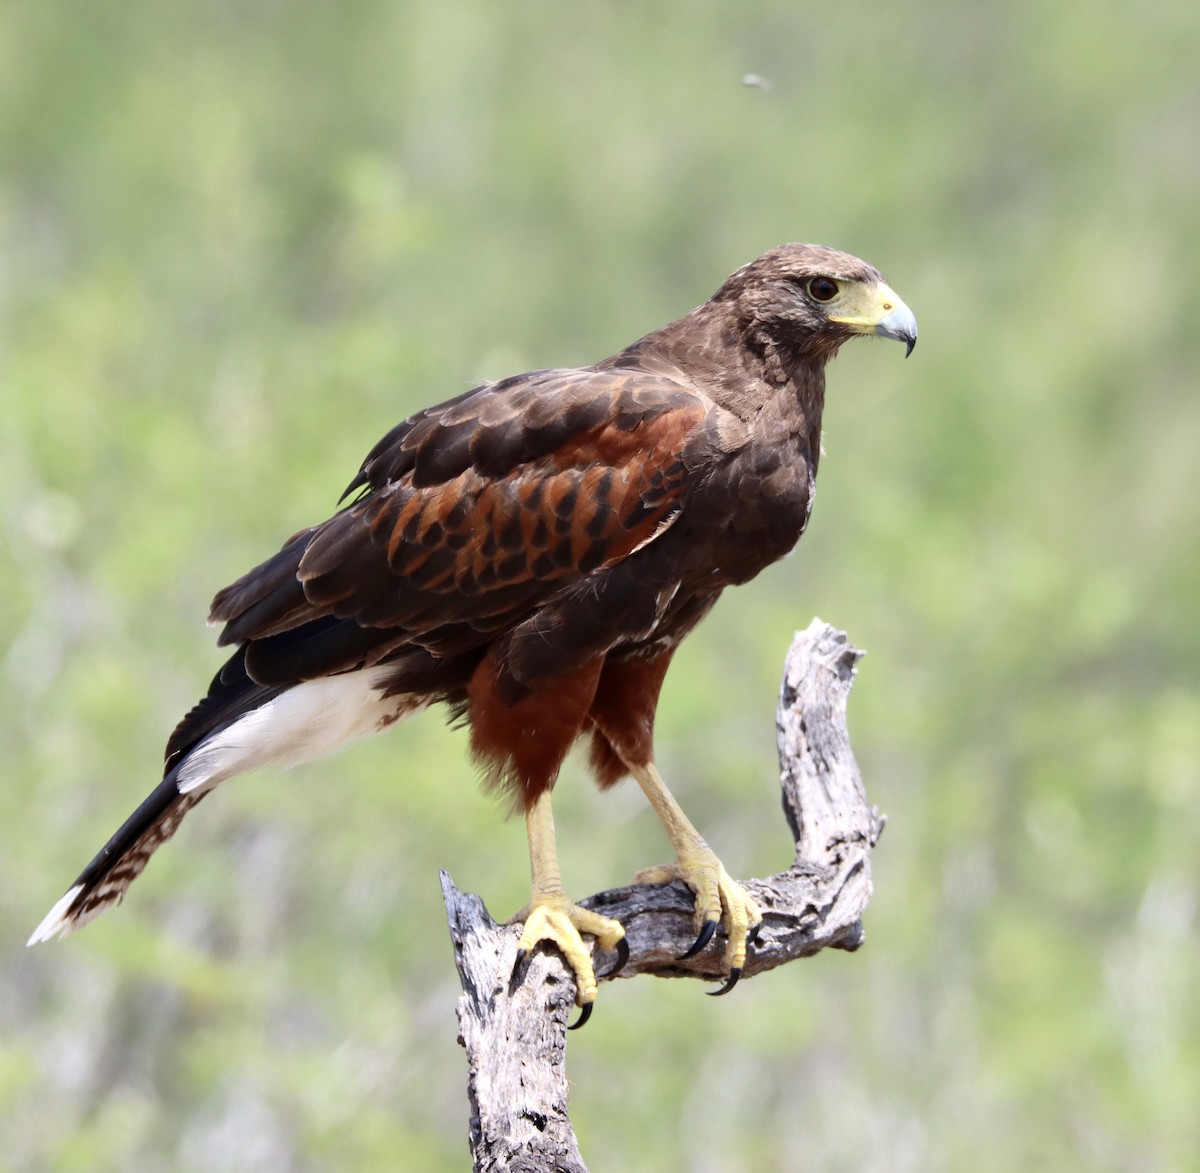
515,1037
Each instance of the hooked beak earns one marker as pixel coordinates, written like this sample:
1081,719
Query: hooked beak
901,325
879,311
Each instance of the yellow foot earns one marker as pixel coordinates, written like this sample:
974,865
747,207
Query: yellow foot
554,918
720,900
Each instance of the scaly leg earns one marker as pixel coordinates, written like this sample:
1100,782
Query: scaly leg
718,896
550,916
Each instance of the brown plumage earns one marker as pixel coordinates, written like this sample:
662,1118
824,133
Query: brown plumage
531,552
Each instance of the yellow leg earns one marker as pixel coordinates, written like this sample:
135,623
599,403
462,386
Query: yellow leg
550,916
719,898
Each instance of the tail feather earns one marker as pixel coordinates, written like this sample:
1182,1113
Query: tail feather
240,726
104,881
232,694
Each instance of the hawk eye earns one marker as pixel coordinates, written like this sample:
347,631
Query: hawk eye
822,289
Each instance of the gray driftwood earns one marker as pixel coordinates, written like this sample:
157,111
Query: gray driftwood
515,1034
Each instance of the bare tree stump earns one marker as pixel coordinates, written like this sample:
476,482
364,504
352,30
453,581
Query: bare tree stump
515,1036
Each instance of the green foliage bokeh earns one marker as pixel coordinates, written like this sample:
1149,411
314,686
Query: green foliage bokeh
238,242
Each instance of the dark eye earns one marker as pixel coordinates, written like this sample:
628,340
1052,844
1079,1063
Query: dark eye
822,289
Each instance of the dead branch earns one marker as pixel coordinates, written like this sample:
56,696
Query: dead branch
515,1036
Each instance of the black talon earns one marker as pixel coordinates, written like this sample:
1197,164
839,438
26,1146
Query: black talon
585,1012
734,974
520,968
706,935
622,951
752,936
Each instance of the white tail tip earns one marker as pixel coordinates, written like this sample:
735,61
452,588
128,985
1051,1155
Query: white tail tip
57,923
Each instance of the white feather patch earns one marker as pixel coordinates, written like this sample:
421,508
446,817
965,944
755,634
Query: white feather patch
55,923
308,721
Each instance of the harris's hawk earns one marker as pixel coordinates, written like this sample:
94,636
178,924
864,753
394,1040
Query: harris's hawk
531,553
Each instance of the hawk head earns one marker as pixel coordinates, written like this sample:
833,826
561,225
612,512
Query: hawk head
810,299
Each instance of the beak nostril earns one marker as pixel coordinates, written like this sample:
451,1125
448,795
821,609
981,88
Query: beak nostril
887,305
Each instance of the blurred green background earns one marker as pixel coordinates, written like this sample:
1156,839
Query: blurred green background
239,241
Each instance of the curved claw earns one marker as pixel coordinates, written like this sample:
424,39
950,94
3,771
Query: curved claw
752,936
585,1012
622,951
520,968
706,935
734,974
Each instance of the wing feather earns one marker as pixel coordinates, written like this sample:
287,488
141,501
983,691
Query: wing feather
476,513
